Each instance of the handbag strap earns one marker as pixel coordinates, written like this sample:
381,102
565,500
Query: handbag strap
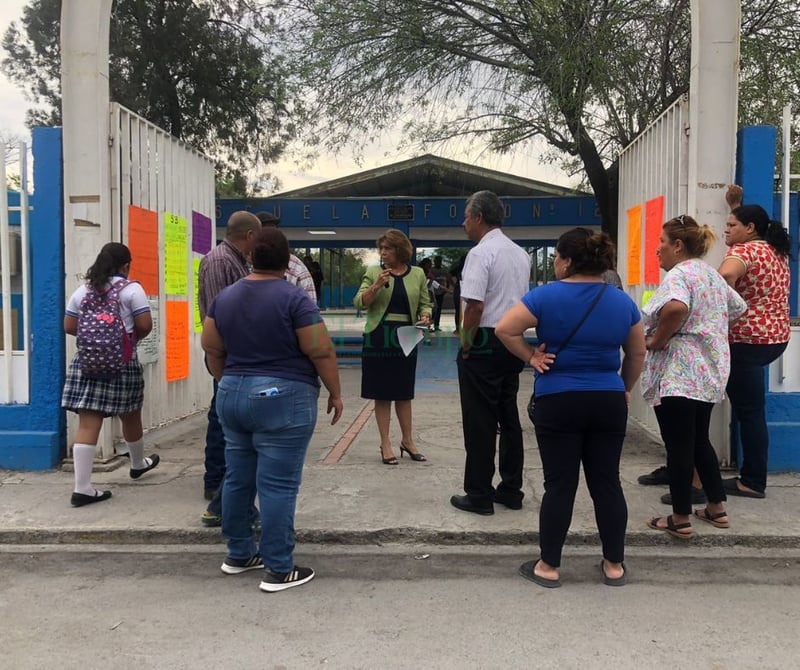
583,318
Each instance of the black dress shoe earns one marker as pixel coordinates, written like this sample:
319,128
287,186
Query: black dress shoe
466,505
138,472
507,501
658,477
698,497
81,499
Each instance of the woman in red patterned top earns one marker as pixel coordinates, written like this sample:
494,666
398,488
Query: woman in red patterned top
757,266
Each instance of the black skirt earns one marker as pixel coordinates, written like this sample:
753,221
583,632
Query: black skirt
386,374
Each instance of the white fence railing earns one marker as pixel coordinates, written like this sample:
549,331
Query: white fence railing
653,181
14,282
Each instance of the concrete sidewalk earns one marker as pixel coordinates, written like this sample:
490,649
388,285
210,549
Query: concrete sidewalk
349,497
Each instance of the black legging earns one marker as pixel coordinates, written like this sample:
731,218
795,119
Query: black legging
581,427
684,429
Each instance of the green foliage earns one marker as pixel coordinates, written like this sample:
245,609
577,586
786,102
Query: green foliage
587,76
204,70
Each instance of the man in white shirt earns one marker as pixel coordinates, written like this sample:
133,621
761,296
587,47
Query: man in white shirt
495,277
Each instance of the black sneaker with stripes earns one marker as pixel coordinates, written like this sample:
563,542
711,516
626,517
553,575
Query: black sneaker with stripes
280,581
236,566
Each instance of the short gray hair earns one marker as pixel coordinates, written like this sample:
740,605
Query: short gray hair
488,204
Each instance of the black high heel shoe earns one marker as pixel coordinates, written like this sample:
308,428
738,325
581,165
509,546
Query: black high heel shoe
392,460
413,456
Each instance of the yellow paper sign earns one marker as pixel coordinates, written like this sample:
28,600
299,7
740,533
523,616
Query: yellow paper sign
198,322
646,296
176,255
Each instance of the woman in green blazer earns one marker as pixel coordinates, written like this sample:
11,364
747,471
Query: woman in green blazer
393,294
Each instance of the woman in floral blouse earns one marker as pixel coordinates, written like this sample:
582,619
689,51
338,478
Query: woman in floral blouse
757,267
686,368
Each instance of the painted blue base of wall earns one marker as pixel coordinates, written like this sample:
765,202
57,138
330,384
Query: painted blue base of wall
30,450
783,422
33,435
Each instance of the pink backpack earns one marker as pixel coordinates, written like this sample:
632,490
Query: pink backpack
104,346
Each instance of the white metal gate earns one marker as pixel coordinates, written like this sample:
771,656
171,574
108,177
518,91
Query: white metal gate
14,281
654,165
156,178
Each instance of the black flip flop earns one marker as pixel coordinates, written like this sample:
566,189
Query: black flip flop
614,581
732,489
526,570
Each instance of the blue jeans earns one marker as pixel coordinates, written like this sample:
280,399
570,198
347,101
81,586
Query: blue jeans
746,390
268,423
215,448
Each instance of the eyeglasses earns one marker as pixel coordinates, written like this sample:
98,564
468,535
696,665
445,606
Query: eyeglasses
680,220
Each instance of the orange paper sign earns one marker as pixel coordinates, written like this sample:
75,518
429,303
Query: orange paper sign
143,243
654,219
634,245
177,340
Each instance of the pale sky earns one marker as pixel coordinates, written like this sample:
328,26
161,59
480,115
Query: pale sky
525,164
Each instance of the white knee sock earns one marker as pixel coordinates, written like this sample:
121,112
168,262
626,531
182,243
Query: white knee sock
83,460
136,450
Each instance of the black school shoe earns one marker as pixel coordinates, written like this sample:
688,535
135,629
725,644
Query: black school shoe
154,460
81,499
508,501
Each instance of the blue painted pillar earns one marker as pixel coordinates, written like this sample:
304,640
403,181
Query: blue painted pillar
33,436
755,172
755,164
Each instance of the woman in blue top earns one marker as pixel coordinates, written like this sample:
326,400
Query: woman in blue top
581,410
268,348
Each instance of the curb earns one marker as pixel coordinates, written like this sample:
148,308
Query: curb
378,537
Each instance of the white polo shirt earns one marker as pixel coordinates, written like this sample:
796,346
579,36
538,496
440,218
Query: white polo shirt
497,272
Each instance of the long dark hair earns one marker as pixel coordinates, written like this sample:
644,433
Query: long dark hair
768,230
108,263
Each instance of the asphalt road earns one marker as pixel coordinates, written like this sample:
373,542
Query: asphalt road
395,607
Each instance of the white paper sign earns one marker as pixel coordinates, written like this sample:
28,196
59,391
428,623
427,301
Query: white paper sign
147,349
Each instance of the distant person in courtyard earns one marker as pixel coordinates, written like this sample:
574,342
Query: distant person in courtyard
495,277
581,396
267,347
296,273
441,286
393,294
455,282
105,377
686,369
224,265
316,275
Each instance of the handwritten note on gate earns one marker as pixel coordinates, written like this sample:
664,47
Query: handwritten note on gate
176,330
176,255
654,219
634,245
143,243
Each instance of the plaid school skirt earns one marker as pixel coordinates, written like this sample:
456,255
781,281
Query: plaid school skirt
110,397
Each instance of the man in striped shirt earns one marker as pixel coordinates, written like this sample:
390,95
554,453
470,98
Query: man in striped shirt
224,265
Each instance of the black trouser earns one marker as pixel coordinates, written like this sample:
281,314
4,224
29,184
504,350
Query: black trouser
746,389
437,308
488,382
581,427
684,428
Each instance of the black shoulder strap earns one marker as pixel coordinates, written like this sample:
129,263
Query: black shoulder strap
585,316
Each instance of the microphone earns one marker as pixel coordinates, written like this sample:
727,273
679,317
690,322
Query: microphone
383,267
